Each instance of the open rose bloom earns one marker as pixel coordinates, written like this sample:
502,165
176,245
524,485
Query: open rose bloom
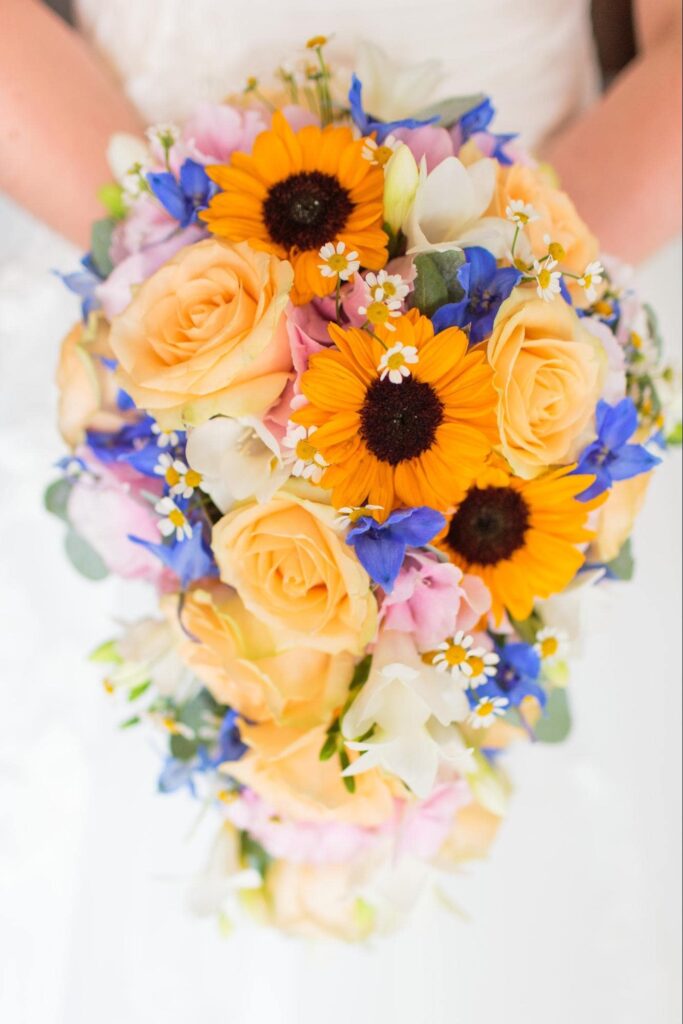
356,396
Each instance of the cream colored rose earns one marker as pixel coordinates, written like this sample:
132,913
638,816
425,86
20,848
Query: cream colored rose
617,516
235,655
205,335
548,372
319,900
87,388
294,572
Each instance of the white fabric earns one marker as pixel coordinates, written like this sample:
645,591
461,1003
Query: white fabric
575,916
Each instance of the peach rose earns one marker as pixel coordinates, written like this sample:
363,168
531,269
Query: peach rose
236,657
548,372
471,838
283,767
87,388
558,216
319,901
617,516
294,572
205,334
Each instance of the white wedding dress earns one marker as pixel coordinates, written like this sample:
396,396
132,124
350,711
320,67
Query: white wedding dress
574,918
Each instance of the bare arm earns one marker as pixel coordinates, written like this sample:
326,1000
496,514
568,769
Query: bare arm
58,108
621,161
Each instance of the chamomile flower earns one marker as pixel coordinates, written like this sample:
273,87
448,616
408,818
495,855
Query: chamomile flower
555,250
165,438
337,261
380,312
487,711
591,278
551,644
480,666
387,286
308,462
548,280
180,479
451,655
165,133
521,213
380,154
173,521
396,362
349,515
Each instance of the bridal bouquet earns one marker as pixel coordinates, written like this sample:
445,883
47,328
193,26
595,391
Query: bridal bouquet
355,391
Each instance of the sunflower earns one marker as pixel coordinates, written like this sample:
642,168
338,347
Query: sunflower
519,536
296,192
406,422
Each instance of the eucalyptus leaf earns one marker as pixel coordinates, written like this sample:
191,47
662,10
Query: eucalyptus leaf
621,567
430,290
182,748
451,110
56,498
100,244
448,263
84,558
556,723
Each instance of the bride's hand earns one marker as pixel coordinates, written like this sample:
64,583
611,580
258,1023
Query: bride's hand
58,108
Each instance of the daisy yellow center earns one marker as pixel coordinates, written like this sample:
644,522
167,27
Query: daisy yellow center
486,708
306,210
549,647
172,476
604,308
338,262
383,154
398,424
378,313
476,664
544,277
455,655
587,280
193,478
489,525
389,289
395,361
305,450
176,517
557,251
522,218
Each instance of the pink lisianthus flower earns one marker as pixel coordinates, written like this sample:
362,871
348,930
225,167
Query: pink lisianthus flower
432,600
216,130
307,326
146,224
429,141
422,827
107,505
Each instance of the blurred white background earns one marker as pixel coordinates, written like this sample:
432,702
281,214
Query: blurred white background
574,918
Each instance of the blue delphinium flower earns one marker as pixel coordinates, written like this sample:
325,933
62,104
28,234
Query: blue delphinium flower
84,283
177,774
478,120
229,745
610,457
517,677
381,547
367,124
183,197
190,559
485,287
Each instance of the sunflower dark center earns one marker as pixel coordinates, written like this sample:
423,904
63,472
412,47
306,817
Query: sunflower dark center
399,421
489,526
306,210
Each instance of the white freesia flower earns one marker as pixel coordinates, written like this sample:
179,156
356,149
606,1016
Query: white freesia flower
411,708
448,209
214,889
394,89
237,459
401,178
149,649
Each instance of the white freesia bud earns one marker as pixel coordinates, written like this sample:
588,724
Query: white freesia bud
400,184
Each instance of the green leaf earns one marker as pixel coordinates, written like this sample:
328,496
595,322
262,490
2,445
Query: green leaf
623,565
448,263
556,723
100,243
675,437
329,747
137,691
84,558
254,854
56,498
348,780
111,197
430,291
182,748
135,720
451,110
107,653
361,673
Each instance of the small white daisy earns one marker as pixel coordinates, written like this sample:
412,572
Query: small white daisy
387,286
348,515
337,262
487,711
521,213
548,280
592,277
165,438
174,520
180,479
308,463
396,362
480,666
451,655
551,645
380,312
380,153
